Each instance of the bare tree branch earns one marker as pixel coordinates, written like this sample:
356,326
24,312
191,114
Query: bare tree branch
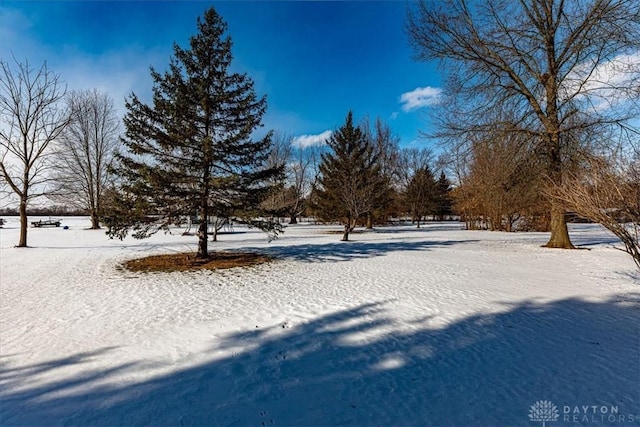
85,150
31,119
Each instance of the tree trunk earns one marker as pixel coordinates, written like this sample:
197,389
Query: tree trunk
345,235
214,238
418,222
369,222
22,243
348,227
202,240
559,232
203,227
293,219
95,220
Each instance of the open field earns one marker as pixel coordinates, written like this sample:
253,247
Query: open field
402,326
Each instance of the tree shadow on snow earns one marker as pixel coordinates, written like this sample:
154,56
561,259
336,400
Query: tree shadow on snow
356,367
425,227
348,251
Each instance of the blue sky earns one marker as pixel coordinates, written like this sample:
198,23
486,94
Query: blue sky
314,60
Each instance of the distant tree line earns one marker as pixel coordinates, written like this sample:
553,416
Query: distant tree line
49,210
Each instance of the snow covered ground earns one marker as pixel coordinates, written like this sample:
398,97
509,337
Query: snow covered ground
434,327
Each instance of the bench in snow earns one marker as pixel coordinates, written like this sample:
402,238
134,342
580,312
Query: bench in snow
46,223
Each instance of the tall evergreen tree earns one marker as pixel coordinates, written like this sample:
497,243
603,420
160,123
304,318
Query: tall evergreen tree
350,177
191,151
422,194
445,204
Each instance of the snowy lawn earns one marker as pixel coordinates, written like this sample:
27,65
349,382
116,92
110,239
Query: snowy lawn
436,327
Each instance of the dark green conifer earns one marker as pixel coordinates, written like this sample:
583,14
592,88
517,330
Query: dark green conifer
445,204
350,180
191,151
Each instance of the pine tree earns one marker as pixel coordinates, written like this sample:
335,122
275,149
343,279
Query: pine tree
444,207
422,194
350,177
191,151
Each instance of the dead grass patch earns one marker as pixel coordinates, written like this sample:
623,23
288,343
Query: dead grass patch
188,262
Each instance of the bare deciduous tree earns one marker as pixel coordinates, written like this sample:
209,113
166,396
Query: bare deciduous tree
303,175
31,118
291,191
608,192
387,152
85,150
503,183
557,66
410,160
276,202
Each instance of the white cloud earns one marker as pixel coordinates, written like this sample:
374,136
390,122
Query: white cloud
420,97
606,84
304,141
394,115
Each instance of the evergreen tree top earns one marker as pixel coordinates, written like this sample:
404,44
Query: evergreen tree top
210,46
